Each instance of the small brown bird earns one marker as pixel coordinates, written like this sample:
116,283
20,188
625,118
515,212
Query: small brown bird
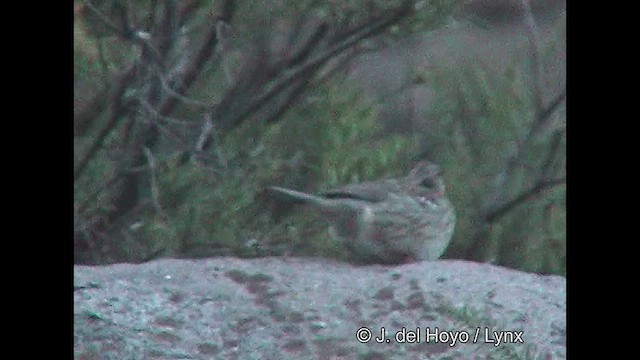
388,221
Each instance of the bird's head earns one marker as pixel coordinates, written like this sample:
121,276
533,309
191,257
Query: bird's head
428,176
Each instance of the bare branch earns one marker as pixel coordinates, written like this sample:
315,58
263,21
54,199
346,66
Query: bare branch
192,70
540,123
542,115
303,51
186,100
228,9
155,190
293,94
118,108
110,24
205,134
554,149
534,45
164,123
84,118
545,114
207,139
127,31
535,191
90,199
167,119
332,67
167,29
304,70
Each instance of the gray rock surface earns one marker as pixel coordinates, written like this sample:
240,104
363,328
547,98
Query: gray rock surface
294,308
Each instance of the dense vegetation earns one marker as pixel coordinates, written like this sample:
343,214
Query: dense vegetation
185,111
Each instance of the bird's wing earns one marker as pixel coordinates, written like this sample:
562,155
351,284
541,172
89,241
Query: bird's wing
372,191
297,195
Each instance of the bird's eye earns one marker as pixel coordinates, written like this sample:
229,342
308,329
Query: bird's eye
428,183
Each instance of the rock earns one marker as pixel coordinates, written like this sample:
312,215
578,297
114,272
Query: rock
302,308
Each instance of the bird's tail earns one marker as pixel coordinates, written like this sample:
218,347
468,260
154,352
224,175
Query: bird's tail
331,209
299,196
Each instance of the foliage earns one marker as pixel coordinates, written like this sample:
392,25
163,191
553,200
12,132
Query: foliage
146,192
478,119
138,194
224,211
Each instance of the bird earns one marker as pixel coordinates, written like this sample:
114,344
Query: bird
387,221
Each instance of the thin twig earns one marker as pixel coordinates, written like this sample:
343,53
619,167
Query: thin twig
207,129
155,189
536,72
85,117
103,18
331,69
542,114
545,114
149,108
118,108
207,139
293,94
94,196
536,190
303,51
128,32
554,148
534,44
303,70
186,100
191,71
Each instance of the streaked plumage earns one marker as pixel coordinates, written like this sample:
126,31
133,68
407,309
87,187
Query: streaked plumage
388,221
